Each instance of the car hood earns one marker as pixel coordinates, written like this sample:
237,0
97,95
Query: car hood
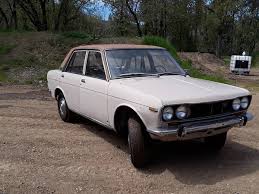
176,89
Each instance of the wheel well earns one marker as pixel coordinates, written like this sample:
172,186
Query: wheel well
57,93
121,117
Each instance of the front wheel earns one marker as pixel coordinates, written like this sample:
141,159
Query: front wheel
216,142
137,143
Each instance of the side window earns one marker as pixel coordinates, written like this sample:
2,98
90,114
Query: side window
94,67
76,63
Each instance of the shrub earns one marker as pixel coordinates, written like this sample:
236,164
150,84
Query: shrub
77,35
158,41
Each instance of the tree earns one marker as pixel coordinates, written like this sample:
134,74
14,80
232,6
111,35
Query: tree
119,19
222,27
125,13
8,11
36,12
68,11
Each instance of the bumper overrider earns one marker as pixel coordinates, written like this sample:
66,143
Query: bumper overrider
199,129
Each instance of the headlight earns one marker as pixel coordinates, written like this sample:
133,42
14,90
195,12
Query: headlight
236,104
244,102
168,114
182,112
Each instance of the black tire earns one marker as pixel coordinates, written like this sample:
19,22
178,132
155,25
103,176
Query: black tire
216,142
64,112
137,143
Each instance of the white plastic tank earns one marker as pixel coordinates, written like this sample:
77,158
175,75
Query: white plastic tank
240,64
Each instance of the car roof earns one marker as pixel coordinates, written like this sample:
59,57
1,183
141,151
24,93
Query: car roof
103,47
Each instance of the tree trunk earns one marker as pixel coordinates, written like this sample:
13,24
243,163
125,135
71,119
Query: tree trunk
135,18
44,15
5,17
60,11
15,19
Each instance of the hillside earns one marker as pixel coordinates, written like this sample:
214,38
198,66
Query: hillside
26,57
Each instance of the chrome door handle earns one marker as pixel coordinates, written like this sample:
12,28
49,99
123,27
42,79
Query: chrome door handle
62,75
83,80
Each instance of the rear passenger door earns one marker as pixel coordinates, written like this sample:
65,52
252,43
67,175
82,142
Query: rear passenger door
70,79
93,89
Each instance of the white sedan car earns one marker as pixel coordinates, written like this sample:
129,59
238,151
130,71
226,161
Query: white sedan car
142,92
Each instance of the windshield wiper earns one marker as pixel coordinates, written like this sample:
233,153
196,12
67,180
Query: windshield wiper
167,73
136,75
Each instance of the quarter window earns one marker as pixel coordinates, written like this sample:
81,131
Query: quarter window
76,63
94,67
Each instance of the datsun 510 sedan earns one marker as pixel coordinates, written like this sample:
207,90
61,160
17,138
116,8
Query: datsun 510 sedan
142,92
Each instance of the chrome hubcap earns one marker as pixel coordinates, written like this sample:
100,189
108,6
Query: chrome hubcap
62,107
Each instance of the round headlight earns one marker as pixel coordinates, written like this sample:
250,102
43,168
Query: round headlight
182,112
168,113
236,104
244,102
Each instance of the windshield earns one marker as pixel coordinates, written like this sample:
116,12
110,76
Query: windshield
141,62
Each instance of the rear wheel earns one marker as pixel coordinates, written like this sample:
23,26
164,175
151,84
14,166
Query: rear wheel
137,143
64,112
216,142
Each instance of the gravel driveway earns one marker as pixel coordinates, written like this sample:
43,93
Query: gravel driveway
41,154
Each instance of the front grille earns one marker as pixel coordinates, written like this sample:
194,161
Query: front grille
209,109
203,111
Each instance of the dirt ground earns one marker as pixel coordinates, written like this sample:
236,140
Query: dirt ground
41,154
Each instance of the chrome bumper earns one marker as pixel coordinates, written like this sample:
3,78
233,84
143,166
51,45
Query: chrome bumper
199,129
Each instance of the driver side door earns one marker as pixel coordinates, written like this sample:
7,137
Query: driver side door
93,89
70,79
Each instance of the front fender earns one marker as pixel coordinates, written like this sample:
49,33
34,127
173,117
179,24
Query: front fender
150,119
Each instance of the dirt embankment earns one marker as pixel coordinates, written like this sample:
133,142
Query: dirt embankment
210,64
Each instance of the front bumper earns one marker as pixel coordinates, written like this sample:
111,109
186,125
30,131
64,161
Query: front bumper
200,129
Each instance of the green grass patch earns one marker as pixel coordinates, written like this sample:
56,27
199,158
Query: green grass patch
5,48
186,65
76,35
26,61
2,76
70,39
193,72
29,82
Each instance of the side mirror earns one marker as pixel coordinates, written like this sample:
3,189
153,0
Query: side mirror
186,72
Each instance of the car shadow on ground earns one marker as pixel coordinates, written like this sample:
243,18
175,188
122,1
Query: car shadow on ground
190,162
